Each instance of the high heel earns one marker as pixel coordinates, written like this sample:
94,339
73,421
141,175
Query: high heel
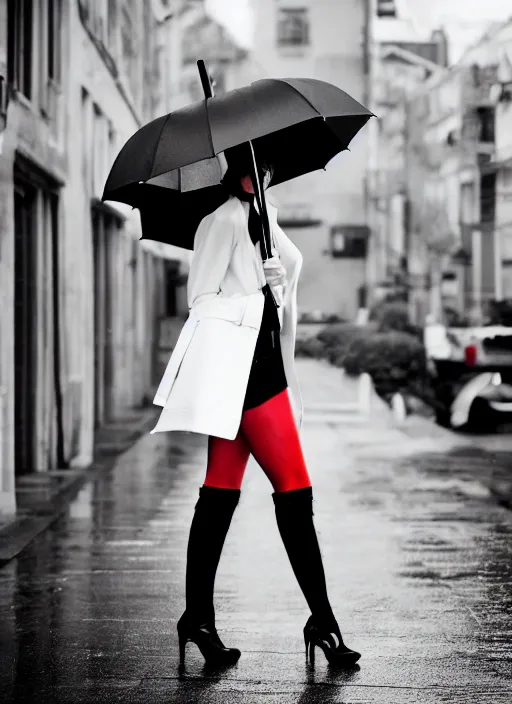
207,639
212,517
310,648
323,638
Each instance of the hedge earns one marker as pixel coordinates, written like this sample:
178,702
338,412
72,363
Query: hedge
395,361
337,340
393,316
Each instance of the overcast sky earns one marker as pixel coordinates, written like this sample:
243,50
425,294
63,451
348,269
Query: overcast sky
236,16
462,11
465,19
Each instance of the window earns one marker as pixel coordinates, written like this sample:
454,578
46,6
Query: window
293,27
349,241
386,8
487,197
486,125
20,38
50,23
34,54
54,20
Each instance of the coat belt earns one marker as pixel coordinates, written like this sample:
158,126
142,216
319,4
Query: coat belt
241,310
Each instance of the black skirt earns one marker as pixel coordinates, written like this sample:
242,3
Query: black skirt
267,376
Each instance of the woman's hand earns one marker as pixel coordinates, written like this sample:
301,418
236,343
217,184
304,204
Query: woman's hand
275,273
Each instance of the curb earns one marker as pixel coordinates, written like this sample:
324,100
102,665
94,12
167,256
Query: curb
15,536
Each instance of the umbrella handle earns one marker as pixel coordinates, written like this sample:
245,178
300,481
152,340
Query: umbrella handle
205,80
259,192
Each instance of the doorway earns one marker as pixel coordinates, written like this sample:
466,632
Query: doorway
105,227
38,442
25,334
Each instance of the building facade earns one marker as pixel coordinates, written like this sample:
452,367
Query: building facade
324,212
81,299
398,74
491,62
458,167
403,59
440,188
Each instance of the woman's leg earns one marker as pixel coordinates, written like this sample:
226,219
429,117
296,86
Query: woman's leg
227,460
273,439
212,518
218,498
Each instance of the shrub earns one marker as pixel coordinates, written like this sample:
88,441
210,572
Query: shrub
319,317
310,347
393,316
335,318
337,339
395,361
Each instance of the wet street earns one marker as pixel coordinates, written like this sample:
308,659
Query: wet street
418,556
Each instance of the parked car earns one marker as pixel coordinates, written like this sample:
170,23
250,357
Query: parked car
471,374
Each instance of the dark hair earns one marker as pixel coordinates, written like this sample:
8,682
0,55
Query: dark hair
239,160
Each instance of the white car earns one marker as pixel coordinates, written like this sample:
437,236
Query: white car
471,373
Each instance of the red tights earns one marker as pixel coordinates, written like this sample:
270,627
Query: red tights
269,433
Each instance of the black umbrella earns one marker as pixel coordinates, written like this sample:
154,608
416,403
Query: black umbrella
169,168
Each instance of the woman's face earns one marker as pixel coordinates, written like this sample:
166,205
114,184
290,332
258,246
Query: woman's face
247,186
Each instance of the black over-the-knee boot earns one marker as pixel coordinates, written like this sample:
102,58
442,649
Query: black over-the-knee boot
294,514
210,524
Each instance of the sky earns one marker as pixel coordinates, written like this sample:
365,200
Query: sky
236,16
464,19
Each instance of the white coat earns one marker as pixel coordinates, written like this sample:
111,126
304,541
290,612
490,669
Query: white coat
203,387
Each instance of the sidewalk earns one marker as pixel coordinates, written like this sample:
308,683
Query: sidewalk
418,570
43,496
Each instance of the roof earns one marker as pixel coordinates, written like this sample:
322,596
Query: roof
398,30
498,36
209,39
408,56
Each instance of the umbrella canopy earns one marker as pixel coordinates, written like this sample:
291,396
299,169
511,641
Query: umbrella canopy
169,168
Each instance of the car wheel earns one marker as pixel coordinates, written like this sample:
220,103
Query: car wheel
481,418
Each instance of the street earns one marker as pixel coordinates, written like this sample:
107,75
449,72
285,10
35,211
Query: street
418,559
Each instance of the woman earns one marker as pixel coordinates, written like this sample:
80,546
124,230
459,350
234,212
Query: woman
229,377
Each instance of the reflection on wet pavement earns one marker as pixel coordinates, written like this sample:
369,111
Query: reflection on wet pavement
417,554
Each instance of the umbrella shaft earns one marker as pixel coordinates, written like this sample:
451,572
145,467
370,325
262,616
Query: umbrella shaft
259,192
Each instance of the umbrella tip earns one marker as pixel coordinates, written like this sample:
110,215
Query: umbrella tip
206,81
